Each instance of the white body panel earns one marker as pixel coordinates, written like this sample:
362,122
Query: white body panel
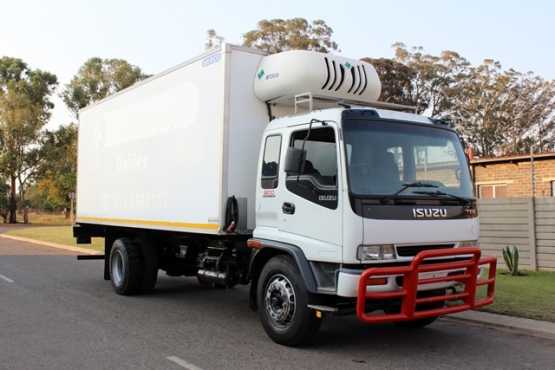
326,76
315,229
167,152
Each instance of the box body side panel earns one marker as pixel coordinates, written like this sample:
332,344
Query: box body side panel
151,156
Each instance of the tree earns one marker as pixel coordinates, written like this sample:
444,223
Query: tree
3,200
24,109
96,79
277,35
396,79
498,111
436,78
56,173
503,112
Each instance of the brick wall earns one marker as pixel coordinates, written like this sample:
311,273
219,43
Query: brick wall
517,176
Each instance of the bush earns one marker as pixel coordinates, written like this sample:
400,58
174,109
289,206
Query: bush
510,255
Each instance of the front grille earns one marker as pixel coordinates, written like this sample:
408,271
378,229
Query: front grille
413,250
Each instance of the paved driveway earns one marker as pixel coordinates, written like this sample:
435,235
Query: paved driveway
58,313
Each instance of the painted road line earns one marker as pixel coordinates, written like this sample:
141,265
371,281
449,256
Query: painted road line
181,362
5,278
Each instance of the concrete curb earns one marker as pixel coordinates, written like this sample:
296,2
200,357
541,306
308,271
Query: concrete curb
51,245
536,328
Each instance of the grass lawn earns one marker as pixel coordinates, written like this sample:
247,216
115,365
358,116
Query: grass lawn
56,234
531,295
45,218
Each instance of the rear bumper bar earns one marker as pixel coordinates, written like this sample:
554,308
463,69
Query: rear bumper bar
412,307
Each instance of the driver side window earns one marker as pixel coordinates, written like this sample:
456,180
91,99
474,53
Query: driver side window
317,179
270,163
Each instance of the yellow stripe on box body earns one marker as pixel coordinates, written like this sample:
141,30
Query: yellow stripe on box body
174,224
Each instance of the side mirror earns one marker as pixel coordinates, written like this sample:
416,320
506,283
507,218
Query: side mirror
294,160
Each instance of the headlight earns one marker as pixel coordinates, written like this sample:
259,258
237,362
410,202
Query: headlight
468,243
376,252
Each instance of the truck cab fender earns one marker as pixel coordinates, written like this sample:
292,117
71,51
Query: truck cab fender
265,251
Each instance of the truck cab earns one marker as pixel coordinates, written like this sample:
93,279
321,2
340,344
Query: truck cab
358,192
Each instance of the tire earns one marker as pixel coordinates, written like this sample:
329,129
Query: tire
150,265
421,323
282,303
126,267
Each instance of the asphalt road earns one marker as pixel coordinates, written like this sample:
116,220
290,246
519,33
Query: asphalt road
58,313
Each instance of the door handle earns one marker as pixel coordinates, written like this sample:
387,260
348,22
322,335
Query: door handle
288,208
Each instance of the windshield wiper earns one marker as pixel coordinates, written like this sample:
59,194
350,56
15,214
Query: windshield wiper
439,193
417,184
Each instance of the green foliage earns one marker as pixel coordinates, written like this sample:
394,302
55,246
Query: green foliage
3,199
396,79
531,295
97,78
56,172
497,111
502,112
511,256
277,35
434,78
24,109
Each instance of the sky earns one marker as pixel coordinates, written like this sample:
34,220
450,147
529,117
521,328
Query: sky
59,35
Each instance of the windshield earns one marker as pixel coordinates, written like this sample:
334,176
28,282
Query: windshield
403,159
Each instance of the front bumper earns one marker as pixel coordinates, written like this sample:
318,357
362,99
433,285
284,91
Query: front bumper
419,276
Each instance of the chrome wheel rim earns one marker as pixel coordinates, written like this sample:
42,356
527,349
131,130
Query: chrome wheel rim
279,301
118,269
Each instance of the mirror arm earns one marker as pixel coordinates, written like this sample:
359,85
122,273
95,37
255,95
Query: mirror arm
303,162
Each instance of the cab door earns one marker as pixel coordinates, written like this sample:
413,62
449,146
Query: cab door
309,199
268,206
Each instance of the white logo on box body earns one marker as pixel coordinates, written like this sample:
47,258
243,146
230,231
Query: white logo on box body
211,59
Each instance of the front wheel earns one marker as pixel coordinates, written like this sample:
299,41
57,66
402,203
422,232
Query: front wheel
282,301
421,323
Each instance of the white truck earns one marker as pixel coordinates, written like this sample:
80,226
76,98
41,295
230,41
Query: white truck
284,172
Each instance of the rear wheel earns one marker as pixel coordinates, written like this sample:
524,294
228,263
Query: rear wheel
282,303
150,265
126,267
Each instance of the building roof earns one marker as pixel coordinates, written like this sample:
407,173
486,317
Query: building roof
513,158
